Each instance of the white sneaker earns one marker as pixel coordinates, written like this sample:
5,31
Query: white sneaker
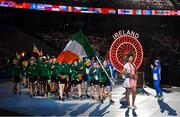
46,95
134,107
129,106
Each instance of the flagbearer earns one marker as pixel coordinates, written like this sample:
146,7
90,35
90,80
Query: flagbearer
77,47
45,73
95,81
105,81
33,76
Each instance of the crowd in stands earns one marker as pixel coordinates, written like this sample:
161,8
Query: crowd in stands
146,4
167,40
58,40
142,4
102,43
159,4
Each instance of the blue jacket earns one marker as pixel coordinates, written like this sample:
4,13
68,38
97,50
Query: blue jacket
156,72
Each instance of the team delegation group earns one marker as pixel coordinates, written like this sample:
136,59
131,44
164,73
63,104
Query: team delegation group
46,77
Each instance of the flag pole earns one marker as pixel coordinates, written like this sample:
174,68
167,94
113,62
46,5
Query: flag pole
104,70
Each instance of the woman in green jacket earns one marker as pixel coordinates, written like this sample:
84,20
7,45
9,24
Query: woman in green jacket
105,81
93,72
77,74
62,79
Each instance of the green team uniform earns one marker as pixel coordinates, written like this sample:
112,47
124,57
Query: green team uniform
75,75
32,72
54,67
80,66
38,63
94,76
45,71
62,72
70,71
16,72
82,69
24,71
104,80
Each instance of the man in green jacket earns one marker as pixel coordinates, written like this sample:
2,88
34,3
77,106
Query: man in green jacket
33,76
54,66
45,74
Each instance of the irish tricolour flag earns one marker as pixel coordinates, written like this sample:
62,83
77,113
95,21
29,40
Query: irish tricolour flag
77,47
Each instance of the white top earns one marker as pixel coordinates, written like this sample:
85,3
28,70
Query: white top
128,69
87,70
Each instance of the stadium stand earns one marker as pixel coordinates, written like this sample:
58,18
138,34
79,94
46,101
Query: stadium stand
132,4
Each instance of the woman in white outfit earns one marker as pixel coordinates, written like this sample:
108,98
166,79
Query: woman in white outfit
129,71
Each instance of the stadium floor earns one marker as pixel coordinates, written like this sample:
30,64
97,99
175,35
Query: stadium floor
148,106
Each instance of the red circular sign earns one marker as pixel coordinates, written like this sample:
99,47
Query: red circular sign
121,47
